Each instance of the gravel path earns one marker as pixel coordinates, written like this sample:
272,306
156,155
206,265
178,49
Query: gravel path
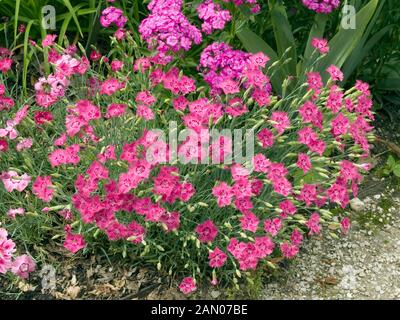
363,265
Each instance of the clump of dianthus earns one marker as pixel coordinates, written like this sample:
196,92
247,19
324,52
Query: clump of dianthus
112,15
227,70
322,6
214,18
167,28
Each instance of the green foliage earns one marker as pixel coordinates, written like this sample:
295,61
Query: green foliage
381,66
392,167
75,17
371,52
346,41
345,47
29,13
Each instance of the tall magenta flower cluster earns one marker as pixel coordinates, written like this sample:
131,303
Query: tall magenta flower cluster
227,70
220,62
213,16
112,15
167,28
322,6
165,5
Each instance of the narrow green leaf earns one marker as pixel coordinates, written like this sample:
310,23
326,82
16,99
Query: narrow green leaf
26,57
67,19
365,45
67,3
93,31
83,12
253,43
17,6
285,42
63,29
392,99
361,51
136,14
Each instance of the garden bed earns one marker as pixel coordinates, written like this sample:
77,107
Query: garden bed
195,150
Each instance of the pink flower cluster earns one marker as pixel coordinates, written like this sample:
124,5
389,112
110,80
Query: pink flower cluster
78,118
173,81
145,100
21,266
5,64
73,242
7,248
111,86
49,40
321,45
322,6
43,188
5,60
226,70
6,103
188,285
12,213
207,231
101,211
167,28
115,110
310,138
11,132
249,254
217,258
24,144
13,181
68,155
112,15
313,224
214,18
49,90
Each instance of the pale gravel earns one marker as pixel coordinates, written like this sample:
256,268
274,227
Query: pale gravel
363,265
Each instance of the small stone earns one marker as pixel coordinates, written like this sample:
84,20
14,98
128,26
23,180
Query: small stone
215,294
357,205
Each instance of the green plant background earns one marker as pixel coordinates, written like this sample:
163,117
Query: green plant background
371,52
